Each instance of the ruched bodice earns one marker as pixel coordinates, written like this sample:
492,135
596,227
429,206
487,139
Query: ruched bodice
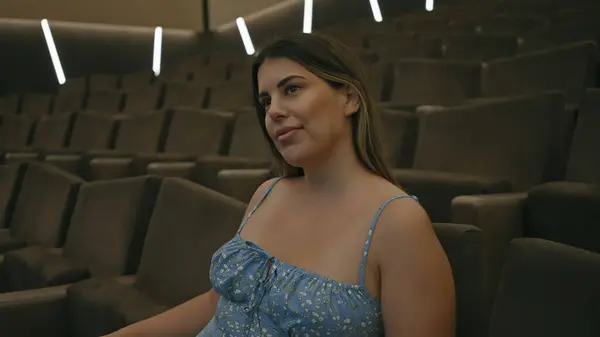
264,296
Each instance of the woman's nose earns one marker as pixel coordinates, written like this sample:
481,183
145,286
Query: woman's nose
275,110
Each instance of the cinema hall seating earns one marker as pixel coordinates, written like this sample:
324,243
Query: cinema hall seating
117,187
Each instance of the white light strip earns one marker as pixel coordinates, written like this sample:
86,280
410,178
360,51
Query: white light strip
60,75
246,39
376,10
156,60
429,5
308,14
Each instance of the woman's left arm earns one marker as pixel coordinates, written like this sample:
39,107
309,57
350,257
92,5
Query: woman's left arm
417,287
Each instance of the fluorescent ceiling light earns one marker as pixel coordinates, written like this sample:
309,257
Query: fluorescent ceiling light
429,5
246,39
308,14
376,10
156,60
60,74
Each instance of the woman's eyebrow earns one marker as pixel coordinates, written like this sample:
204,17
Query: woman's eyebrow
281,84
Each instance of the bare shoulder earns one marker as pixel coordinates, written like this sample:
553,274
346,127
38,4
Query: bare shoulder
402,222
260,192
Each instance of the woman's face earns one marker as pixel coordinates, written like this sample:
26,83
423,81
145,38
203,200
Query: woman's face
305,117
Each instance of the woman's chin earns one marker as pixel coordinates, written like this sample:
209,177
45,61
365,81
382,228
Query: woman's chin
294,158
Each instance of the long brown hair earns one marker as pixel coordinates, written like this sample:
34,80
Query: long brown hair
336,64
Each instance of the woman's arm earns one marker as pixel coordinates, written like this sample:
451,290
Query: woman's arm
189,318
186,319
417,287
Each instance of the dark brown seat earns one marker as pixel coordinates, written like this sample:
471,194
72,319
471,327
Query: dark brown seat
479,47
567,68
184,95
16,132
396,46
431,82
91,131
52,133
463,245
100,82
547,289
10,104
188,221
248,150
36,105
105,238
191,134
568,211
466,150
42,210
231,96
400,134
143,99
105,101
11,177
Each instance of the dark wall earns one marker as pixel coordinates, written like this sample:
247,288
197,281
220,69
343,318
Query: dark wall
290,18
25,63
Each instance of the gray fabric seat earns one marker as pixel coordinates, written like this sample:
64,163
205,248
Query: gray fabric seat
189,224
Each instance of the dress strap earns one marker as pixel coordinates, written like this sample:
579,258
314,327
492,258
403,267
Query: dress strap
363,263
260,201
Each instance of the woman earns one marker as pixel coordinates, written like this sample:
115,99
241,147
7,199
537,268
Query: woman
333,247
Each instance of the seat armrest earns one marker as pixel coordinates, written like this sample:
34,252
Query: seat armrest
500,217
109,168
33,313
172,169
68,162
436,190
207,168
242,183
20,156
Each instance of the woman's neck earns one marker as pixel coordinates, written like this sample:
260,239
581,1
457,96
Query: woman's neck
333,175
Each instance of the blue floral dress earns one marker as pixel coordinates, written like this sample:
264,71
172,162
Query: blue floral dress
264,296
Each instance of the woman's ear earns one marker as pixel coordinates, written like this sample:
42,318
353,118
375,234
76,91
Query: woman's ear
352,100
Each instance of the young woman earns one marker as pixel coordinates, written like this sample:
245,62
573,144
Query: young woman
333,247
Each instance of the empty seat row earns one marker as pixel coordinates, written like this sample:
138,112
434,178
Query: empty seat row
115,281
229,95
412,82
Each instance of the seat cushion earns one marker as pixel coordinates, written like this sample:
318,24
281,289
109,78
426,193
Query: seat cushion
36,267
566,212
8,243
101,306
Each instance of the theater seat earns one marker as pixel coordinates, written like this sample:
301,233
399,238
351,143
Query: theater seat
105,238
547,289
248,150
463,245
466,150
189,224
11,177
43,208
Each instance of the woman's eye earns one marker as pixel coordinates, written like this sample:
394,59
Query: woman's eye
291,89
265,102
